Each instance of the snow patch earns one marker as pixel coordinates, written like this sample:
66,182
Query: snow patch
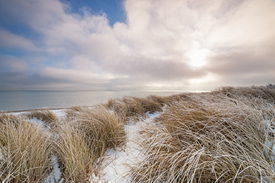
117,163
56,173
37,122
60,113
1,155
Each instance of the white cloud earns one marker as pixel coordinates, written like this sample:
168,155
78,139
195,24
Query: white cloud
13,64
9,40
76,76
155,43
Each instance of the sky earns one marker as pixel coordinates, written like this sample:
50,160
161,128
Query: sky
188,45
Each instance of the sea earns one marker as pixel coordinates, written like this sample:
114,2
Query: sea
29,100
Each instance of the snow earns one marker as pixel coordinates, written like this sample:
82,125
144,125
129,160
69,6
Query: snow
37,122
269,144
1,155
18,113
60,113
117,163
55,174
270,140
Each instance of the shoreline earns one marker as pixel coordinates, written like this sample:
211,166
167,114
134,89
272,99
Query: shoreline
173,125
42,109
30,110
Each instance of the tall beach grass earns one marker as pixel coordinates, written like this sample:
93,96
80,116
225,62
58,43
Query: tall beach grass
25,151
83,140
208,138
226,135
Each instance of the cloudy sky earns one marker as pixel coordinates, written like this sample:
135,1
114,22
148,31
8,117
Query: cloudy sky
136,44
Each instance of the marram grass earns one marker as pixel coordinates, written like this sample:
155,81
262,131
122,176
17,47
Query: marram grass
207,138
84,139
25,152
220,136
49,118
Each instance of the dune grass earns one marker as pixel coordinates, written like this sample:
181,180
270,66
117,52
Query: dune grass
49,118
206,139
4,117
256,92
134,107
84,139
79,143
221,136
25,151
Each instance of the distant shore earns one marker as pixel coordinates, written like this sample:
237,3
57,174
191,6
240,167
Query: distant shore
30,110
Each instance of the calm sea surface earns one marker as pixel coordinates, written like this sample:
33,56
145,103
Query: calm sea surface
25,100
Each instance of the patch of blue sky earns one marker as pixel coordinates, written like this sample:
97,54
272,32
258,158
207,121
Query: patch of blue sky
13,52
20,29
112,8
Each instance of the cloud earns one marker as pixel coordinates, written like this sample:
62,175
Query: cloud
13,64
11,41
245,67
152,49
75,76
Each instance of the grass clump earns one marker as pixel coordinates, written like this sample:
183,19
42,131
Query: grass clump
25,151
150,104
75,155
84,140
119,107
134,107
206,139
4,118
47,116
254,92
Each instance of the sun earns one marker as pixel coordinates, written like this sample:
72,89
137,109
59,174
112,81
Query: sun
197,58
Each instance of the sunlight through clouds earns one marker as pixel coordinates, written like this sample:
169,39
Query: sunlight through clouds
162,44
197,58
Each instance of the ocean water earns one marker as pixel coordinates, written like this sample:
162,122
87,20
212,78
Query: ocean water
26,100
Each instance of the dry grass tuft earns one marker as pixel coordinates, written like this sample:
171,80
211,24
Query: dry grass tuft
159,99
135,107
118,106
48,117
75,155
256,92
150,105
206,139
84,140
72,111
223,136
25,152
4,117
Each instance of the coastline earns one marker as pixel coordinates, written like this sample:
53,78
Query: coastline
31,110
129,136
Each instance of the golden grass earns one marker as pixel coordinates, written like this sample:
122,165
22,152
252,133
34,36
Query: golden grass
75,155
119,107
84,140
25,151
48,117
206,139
134,107
218,136
4,117
149,104
258,92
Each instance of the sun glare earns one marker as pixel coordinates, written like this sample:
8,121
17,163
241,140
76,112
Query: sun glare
197,58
